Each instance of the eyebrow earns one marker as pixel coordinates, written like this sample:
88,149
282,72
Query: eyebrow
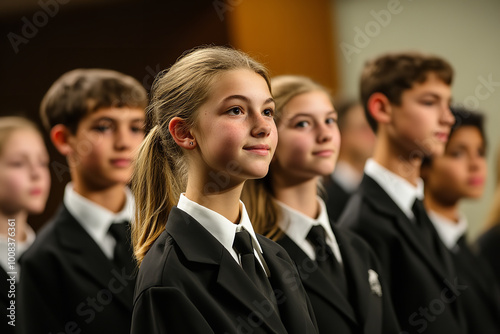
246,99
113,120
310,115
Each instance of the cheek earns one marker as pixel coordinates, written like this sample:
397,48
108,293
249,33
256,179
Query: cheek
292,149
14,183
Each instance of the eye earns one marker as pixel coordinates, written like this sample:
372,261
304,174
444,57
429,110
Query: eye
235,111
302,124
137,129
428,102
456,154
103,127
16,163
331,120
268,112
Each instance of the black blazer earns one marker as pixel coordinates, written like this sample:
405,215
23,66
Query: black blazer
5,302
489,249
367,311
335,198
482,297
189,283
423,290
68,284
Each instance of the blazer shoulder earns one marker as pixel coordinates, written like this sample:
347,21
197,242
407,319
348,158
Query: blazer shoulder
155,263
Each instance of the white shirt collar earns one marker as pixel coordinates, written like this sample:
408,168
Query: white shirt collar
402,192
96,219
296,225
346,176
449,231
222,228
21,247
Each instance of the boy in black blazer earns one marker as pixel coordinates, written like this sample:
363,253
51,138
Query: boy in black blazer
406,98
79,274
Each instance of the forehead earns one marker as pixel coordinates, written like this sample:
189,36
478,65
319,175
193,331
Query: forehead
466,135
22,141
309,102
432,86
118,114
239,82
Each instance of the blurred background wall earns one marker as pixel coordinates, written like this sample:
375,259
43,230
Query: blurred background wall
328,40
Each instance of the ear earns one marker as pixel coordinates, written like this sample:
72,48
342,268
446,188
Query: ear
380,108
60,136
181,133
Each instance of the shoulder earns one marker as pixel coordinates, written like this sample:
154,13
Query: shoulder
490,239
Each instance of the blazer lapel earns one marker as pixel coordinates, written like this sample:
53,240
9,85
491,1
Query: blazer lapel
198,245
381,201
317,282
368,305
88,256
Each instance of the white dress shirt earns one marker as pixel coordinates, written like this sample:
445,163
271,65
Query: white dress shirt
402,192
96,219
21,247
222,228
448,230
297,225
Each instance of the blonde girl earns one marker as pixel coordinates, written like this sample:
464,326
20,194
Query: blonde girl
338,269
24,188
202,267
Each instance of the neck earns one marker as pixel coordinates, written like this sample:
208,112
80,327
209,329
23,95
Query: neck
397,160
21,220
224,201
448,210
112,198
356,164
299,196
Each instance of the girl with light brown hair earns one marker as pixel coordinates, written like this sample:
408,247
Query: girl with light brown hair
338,269
202,267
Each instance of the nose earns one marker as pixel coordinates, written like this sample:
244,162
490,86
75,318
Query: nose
263,126
324,134
122,138
447,116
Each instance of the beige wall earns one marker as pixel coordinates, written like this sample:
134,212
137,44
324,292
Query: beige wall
467,33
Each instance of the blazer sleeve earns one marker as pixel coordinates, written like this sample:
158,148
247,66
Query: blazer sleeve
160,310
40,298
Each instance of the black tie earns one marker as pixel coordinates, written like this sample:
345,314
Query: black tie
429,236
325,258
123,255
243,245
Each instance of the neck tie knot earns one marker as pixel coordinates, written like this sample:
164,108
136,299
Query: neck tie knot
243,243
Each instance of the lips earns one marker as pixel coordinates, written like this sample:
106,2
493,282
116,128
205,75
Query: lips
258,149
35,191
121,163
323,153
442,136
475,181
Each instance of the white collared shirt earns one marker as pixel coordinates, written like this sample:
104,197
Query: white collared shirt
297,225
222,228
21,247
96,219
402,192
346,176
448,230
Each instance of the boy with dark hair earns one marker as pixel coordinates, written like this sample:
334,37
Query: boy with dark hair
79,274
406,98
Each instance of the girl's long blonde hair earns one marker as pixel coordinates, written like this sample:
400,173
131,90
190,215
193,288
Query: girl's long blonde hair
160,173
258,195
